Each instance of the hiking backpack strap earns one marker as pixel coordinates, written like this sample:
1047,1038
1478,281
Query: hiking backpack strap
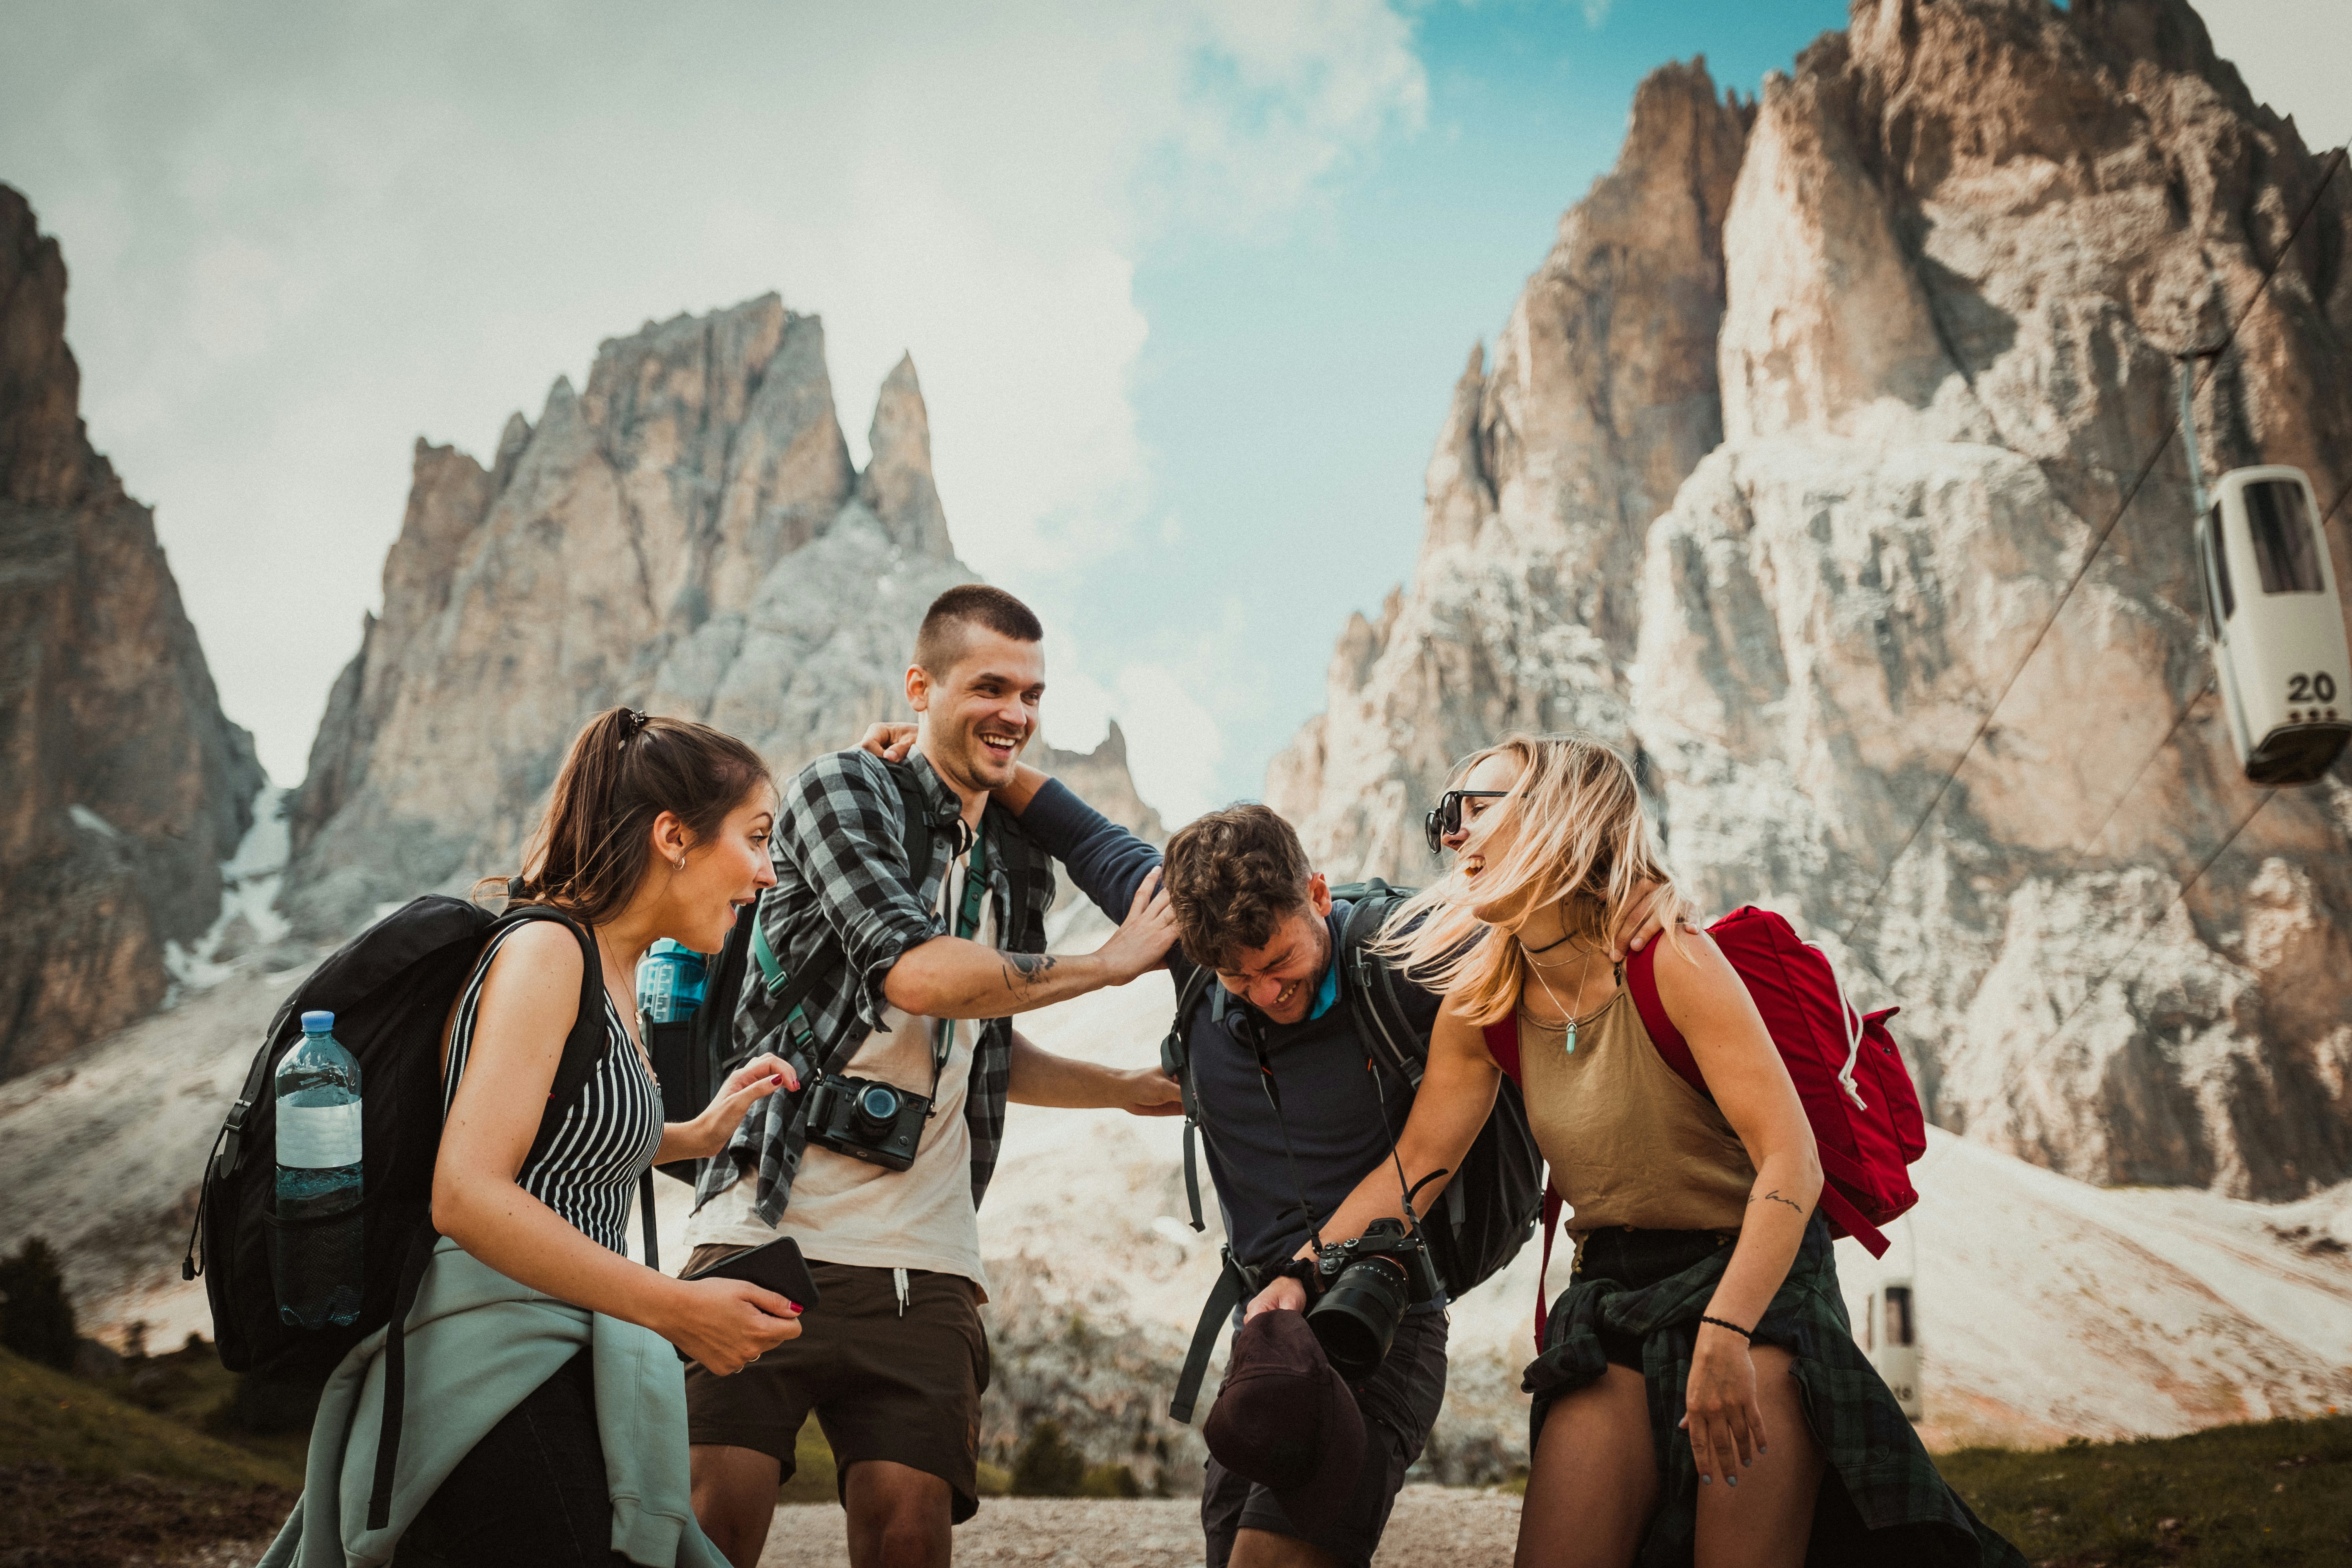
1176,1061
395,1374
584,1047
583,1052
1503,1045
1641,980
1233,1285
1378,1008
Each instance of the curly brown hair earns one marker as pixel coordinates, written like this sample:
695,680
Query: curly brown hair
1233,876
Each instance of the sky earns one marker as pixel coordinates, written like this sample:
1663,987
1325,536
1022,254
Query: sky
1186,282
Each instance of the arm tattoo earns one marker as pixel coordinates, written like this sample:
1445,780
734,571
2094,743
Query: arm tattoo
1774,1197
1029,967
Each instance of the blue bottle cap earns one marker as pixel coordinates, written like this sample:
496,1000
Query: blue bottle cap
664,946
317,1023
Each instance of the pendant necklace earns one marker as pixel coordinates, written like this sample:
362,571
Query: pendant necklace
1567,1013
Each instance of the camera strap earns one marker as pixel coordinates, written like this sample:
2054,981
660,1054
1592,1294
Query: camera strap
1251,1030
1254,1032
971,907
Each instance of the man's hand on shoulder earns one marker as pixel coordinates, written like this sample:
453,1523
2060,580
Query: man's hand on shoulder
893,743
1142,941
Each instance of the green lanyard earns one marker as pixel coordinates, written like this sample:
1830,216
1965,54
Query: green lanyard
967,926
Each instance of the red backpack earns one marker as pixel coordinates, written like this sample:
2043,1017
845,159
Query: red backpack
1867,1126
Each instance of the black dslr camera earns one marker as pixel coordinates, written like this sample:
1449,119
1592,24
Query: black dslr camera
1367,1283
879,1124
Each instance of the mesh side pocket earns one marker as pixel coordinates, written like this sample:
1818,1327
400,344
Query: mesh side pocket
318,1265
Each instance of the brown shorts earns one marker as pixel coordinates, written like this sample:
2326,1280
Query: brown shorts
885,1385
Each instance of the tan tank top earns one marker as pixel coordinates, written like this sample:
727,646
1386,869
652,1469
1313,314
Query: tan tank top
1630,1143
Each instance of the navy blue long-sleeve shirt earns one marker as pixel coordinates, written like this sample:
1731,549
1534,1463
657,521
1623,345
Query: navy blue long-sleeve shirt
1328,1095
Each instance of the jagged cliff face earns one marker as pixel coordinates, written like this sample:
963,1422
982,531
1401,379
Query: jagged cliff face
1525,605
1964,242
127,786
687,536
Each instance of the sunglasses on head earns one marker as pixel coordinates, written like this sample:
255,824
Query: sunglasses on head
1445,816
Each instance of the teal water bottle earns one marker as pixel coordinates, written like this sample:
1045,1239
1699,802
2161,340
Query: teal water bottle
672,980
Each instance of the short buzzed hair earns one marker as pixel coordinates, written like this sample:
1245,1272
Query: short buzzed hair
946,632
1233,877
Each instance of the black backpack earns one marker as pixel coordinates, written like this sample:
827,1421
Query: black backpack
1489,1208
390,989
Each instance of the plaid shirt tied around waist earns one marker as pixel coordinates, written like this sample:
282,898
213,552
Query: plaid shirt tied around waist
1895,1511
843,884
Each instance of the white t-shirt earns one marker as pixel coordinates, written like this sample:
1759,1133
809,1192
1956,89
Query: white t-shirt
846,1210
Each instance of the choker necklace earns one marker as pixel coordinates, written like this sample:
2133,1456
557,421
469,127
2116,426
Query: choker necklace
1531,952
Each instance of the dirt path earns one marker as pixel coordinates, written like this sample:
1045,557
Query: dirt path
1433,1526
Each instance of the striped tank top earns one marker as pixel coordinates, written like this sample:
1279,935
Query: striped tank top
607,1140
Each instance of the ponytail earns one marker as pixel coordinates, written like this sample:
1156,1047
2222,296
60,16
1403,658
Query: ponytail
594,847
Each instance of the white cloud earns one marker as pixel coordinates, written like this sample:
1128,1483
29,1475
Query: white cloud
299,238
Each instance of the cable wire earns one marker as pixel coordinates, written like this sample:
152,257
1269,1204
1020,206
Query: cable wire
2098,542
2187,709
2107,974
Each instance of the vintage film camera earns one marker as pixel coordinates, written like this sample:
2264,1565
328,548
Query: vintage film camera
879,1124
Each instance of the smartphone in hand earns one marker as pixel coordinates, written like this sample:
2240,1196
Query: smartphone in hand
775,1266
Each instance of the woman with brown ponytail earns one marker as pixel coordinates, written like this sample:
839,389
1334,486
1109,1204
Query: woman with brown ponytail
1699,1396
656,827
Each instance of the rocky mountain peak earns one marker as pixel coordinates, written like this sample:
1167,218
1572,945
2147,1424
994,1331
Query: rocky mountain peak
687,536
1523,609
897,485
42,457
1900,355
128,787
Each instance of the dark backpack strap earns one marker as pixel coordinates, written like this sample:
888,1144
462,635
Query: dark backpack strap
1378,1008
1373,996
1176,1061
395,1374
584,1047
1226,1295
646,1212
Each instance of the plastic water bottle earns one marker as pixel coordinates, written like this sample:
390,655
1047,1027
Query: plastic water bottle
672,980
320,1265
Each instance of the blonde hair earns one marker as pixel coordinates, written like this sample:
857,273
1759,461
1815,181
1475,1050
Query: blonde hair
1578,836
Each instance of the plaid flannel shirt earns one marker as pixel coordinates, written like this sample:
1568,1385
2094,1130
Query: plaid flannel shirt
842,883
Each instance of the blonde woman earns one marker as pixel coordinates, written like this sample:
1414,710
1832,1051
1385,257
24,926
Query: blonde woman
1699,1395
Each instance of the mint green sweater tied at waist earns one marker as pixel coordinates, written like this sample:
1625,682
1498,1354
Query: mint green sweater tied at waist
477,1343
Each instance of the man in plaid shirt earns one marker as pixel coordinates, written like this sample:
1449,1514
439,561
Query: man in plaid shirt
912,976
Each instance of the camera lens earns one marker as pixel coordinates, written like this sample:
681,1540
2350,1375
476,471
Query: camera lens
1357,1315
878,1107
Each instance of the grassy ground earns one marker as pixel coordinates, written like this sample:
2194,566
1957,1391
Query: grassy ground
88,1478
2270,1493
2274,1492
78,1428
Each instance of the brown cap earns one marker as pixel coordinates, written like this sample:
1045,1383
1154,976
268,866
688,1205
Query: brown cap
1285,1419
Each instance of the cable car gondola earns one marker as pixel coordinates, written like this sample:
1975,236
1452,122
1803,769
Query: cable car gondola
2273,614
1890,1339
